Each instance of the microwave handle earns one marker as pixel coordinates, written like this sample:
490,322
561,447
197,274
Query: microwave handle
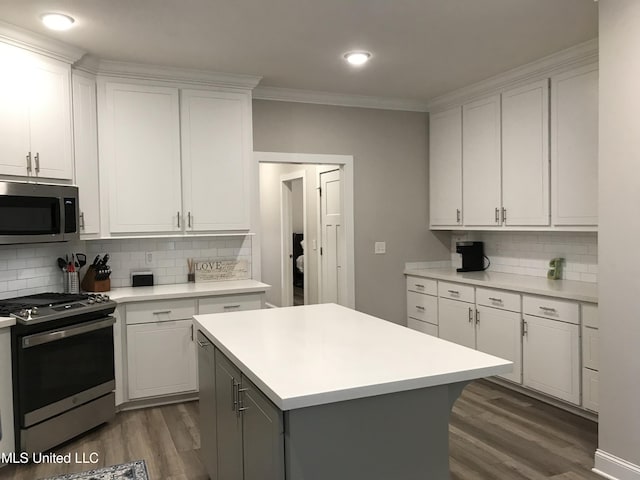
52,336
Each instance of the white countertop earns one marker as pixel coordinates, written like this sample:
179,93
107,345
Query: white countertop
568,289
316,354
7,322
186,290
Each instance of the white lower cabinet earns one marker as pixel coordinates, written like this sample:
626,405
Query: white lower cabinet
456,322
6,394
161,358
422,305
590,356
590,389
499,333
550,357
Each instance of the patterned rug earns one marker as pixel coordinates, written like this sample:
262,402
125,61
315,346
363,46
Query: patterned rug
127,471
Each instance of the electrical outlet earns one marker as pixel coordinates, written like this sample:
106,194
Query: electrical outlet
148,258
380,248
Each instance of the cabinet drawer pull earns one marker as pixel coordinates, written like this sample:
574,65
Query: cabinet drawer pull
548,309
420,307
497,300
229,307
419,286
160,312
454,292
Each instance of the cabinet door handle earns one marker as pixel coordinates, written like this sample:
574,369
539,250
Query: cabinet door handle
470,315
178,219
504,214
202,344
29,162
37,158
525,329
458,215
497,215
82,220
192,332
189,219
234,395
477,316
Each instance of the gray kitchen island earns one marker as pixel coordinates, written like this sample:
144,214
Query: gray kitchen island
323,392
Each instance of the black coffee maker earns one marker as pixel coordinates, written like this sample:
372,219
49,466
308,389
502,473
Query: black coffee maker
472,256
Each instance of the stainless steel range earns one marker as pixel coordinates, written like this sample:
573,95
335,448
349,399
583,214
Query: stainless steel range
63,366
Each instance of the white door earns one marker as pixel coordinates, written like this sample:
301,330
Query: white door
550,357
142,158
499,333
14,112
481,177
50,119
216,150
574,147
456,322
525,154
332,243
86,153
445,167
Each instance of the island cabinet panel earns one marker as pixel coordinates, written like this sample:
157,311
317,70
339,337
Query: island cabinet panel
207,401
229,420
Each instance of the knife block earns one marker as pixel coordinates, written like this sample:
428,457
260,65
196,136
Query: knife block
90,284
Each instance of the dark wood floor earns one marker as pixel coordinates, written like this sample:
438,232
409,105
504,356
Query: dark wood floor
495,434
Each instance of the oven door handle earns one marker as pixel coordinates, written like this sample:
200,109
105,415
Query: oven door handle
54,335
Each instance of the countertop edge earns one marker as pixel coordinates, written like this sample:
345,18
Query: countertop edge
6,322
144,294
452,277
321,398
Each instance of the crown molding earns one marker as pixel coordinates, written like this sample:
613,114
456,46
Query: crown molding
337,99
582,54
140,71
19,37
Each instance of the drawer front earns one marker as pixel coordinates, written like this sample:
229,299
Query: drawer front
498,299
160,311
590,348
422,307
422,285
456,291
423,327
230,303
546,307
590,315
590,389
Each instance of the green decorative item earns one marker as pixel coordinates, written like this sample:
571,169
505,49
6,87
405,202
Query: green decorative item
555,268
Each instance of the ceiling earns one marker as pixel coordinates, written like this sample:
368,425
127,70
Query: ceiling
421,48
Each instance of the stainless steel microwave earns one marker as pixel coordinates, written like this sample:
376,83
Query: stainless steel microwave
38,213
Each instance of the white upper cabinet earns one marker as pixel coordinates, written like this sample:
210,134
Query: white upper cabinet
525,155
35,118
140,156
445,167
481,176
216,156
85,134
574,147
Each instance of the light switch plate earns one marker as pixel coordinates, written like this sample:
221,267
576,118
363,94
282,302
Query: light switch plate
380,248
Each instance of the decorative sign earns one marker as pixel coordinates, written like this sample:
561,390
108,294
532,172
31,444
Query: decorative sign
219,270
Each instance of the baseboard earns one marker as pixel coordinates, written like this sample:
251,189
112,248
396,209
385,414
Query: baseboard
615,468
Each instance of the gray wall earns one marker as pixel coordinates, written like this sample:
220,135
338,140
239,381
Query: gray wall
619,230
391,194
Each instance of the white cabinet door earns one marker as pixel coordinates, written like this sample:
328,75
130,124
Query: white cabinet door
85,133
50,119
445,167
6,393
525,155
456,322
590,381
161,358
499,333
574,147
216,155
481,162
141,154
14,112
550,358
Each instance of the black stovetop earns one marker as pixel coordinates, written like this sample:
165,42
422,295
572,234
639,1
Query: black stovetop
12,305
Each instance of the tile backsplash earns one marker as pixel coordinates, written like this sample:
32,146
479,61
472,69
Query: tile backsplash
168,256
528,253
29,269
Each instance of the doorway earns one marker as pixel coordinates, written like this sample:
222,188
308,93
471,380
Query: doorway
327,258
293,219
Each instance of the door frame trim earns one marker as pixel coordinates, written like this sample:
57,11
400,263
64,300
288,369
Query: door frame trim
345,163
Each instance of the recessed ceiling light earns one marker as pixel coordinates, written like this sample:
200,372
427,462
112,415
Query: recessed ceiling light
57,21
357,58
